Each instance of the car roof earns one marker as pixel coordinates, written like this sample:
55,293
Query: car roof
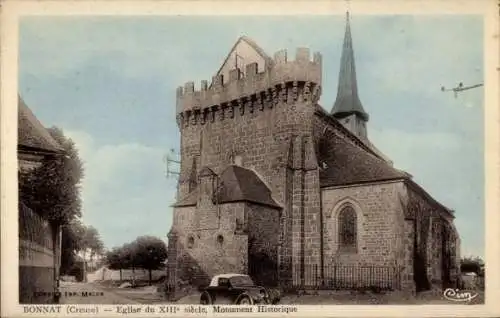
214,280
228,275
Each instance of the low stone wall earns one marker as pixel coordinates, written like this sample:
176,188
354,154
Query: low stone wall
36,258
36,285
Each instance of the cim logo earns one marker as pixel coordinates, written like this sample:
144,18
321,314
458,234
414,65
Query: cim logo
457,295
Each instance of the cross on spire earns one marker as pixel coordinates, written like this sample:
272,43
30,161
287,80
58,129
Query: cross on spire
347,101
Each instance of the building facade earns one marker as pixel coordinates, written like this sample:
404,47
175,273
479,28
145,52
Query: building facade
274,186
39,239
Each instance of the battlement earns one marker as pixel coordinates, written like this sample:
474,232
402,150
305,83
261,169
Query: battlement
240,84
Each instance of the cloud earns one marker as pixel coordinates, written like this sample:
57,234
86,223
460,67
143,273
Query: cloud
112,80
124,193
431,158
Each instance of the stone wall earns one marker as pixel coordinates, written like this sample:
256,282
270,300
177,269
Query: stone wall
377,209
263,228
433,243
269,128
379,247
211,250
37,260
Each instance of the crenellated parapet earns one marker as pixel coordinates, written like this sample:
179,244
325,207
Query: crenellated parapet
285,81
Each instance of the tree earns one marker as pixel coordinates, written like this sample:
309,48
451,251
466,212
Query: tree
151,253
129,258
53,191
92,242
53,188
72,234
472,264
114,260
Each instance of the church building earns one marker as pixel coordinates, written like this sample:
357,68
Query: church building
274,186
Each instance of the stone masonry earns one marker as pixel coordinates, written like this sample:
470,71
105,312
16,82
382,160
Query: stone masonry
266,172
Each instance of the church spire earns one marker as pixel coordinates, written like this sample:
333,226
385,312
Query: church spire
347,102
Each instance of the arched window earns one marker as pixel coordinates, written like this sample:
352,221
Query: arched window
347,222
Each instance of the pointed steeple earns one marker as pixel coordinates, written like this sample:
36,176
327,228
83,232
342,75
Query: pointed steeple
347,101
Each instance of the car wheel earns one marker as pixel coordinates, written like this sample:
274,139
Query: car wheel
205,299
245,300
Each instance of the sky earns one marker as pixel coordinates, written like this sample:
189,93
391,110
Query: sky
109,83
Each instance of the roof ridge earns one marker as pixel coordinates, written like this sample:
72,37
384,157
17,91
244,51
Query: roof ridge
238,181
49,142
346,133
250,42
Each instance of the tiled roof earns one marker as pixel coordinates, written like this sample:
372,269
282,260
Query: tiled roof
31,133
241,184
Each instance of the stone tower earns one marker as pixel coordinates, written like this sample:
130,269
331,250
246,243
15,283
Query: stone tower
347,107
252,124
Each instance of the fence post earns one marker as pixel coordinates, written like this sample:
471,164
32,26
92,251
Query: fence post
315,267
334,276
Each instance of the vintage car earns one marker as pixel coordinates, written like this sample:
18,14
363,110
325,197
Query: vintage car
236,289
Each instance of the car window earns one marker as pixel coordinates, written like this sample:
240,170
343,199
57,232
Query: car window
223,282
241,281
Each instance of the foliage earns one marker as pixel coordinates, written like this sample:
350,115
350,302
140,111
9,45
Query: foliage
92,241
151,252
77,271
72,237
128,255
114,259
147,252
53,189
472,264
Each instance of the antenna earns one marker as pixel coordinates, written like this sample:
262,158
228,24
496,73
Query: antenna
169,160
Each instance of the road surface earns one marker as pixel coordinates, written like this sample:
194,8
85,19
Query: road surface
89,293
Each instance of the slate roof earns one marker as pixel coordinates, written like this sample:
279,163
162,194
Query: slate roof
348,163
189,200
236,184
347,101
31,133
241,184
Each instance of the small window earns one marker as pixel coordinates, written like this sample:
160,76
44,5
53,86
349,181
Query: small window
190,242
220,240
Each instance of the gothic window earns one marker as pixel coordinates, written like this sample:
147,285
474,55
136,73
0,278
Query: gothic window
347,222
